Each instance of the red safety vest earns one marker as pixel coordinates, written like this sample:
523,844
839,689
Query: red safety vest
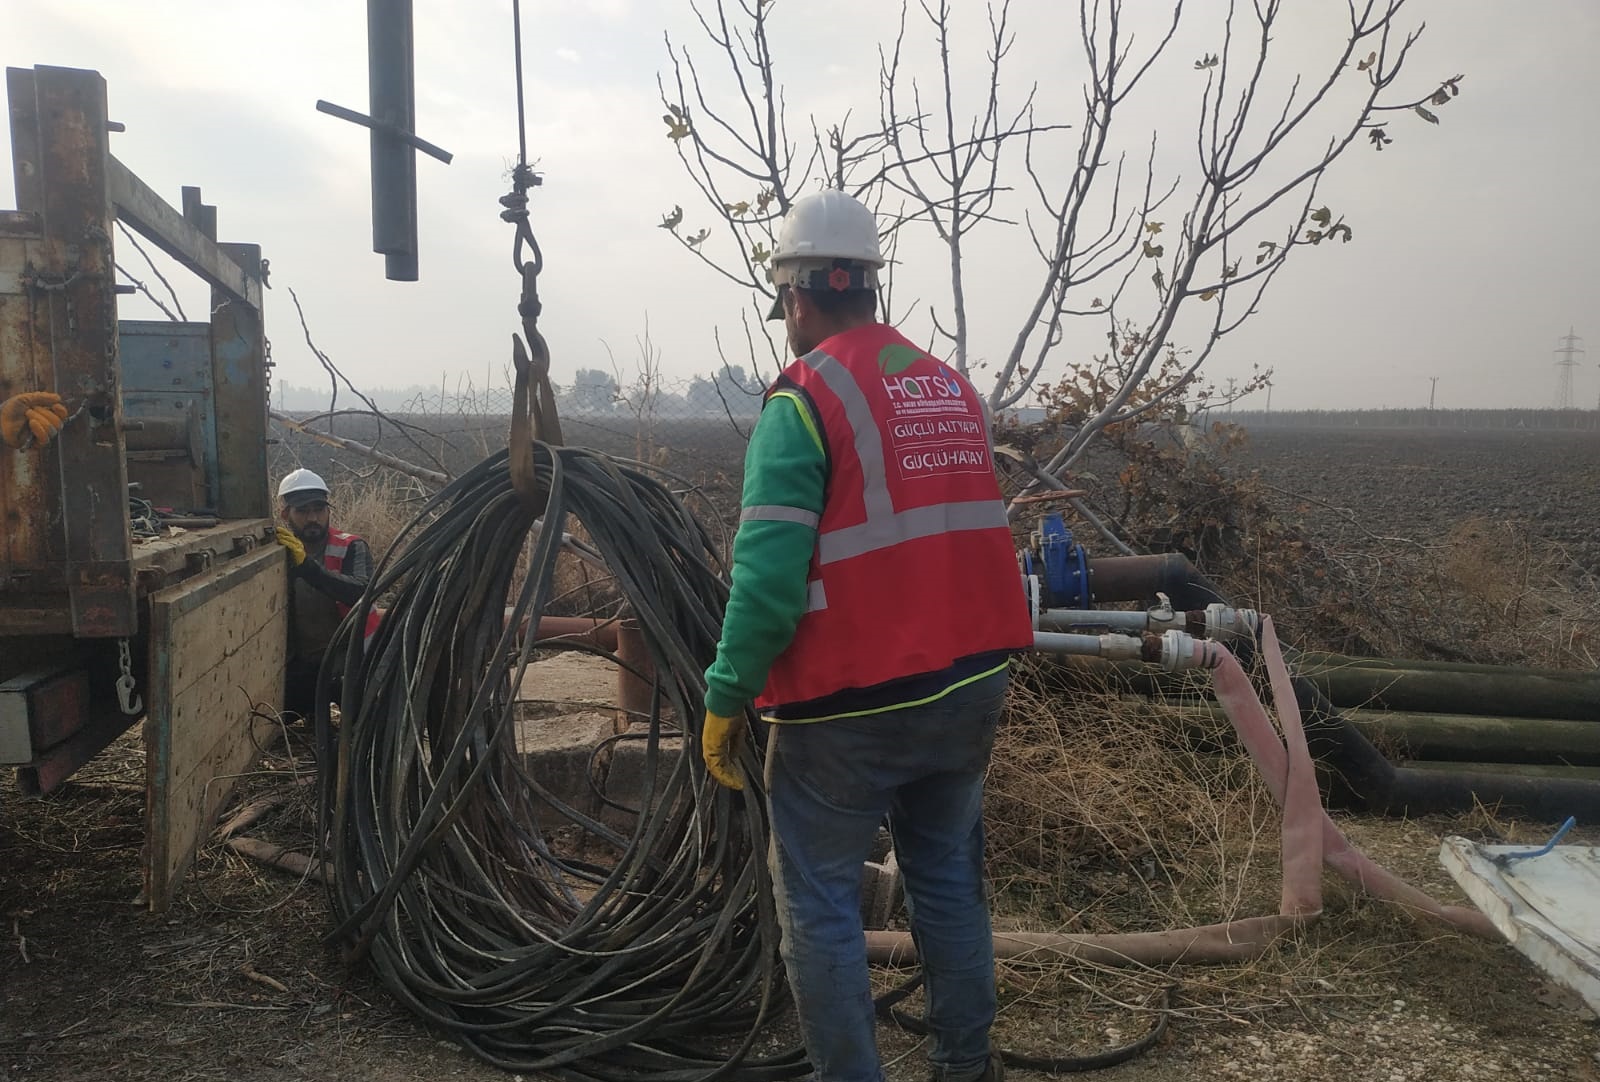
914,566
333,559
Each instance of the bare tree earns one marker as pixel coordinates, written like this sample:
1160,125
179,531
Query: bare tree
641,395
1118,242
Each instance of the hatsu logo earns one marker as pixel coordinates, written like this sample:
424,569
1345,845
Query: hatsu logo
921,388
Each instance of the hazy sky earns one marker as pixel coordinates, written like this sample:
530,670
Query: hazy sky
1474,241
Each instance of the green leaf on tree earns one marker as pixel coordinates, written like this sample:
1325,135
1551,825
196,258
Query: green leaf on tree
1322,216
1154,251
1425,115
1208,294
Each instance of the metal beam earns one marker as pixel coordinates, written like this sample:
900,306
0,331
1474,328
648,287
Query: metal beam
61,159
391,86
239,380
139,206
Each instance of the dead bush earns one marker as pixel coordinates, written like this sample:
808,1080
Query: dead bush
377,505
1104,819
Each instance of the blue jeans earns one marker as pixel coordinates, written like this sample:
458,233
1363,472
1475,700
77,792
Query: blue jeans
830,785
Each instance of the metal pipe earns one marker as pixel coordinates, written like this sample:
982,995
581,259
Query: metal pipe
1447,737
636,675
1446,689
1357,773
1110,647
588,629
1140,578
1064,619
392,105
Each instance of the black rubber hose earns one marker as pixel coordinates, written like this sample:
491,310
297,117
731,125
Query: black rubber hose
657,959
1360,777
888,1009
656,962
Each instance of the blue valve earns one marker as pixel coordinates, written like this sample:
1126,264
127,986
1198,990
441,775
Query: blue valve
1066,565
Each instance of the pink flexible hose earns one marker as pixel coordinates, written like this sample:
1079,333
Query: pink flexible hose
1309,840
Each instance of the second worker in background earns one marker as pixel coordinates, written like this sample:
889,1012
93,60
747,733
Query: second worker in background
329,571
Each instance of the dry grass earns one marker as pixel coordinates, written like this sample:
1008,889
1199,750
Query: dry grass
1525,599
1103,818
377,505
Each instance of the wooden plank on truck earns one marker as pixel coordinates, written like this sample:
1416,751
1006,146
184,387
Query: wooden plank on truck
217,653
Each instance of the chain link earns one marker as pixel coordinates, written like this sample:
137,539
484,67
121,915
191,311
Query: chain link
130,703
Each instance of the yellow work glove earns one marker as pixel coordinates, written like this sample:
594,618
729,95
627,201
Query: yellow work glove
297,549
721,743
38,412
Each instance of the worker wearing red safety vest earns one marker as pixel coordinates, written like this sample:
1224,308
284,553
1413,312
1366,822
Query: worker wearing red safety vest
874,607
330,570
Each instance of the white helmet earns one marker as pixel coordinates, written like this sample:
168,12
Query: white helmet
302,486
828,240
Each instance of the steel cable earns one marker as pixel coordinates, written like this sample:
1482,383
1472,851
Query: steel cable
657,962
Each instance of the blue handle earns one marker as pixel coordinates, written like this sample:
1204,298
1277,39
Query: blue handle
1549,845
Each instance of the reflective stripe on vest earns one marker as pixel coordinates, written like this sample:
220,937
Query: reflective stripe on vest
333,554
779,513
885,527
913,567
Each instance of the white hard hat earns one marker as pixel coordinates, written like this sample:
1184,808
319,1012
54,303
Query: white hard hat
828,240
302,486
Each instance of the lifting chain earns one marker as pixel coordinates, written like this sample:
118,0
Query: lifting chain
131,704
533,406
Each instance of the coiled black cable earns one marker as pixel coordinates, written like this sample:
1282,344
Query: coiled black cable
660,964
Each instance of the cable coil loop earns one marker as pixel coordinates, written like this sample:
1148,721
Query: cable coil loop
543,936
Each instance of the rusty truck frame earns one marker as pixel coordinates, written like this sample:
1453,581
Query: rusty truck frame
180,621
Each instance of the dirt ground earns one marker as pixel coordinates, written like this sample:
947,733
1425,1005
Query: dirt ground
235,983
1421,483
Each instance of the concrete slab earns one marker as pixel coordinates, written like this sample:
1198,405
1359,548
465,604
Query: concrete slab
567,710
570,679
557,750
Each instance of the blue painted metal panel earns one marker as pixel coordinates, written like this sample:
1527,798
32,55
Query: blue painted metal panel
166,376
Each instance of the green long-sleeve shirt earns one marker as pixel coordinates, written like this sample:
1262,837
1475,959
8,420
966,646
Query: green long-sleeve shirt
785,479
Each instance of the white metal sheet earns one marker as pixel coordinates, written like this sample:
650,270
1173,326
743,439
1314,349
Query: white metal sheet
1545,905
1563,885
